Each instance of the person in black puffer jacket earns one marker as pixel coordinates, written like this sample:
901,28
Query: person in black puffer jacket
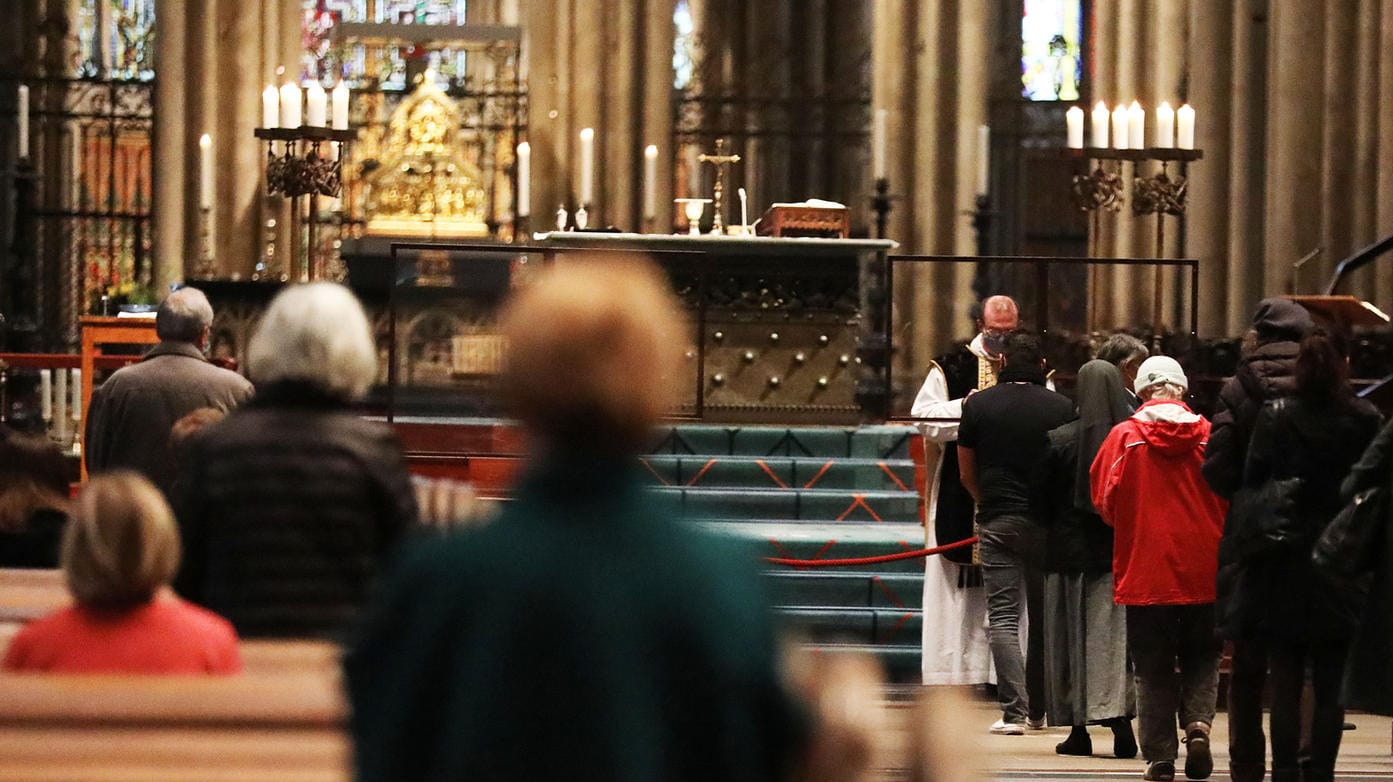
289,506
1087,680
1369,681
1273,600
1265,372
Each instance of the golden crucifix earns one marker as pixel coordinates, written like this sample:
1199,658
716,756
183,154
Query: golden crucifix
720,160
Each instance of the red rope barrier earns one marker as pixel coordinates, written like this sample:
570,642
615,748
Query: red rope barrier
923,552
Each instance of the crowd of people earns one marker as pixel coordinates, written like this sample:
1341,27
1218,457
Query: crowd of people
1139,537
1119,543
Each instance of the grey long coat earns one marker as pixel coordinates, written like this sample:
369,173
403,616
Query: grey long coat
132,413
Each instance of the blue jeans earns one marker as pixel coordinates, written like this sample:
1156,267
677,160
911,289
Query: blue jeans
1010,547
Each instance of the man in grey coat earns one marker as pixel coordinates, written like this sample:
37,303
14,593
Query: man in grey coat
132,413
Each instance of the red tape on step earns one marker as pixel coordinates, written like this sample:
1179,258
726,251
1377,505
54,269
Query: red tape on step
923,552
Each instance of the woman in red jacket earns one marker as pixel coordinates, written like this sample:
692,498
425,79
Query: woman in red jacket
1166,523
119,552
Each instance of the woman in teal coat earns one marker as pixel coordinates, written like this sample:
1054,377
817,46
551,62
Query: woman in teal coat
586,633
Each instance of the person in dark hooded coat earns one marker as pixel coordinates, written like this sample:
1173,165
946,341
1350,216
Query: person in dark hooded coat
1272,600
1087,679
1267,371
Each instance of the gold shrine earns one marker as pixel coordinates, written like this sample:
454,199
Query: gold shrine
425,185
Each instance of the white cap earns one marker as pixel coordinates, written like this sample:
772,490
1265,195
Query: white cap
1157,370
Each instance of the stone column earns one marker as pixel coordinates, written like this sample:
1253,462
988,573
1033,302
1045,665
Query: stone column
240,161
1366,99
1295,136
1339,103
656,106
169,153
1384,194
1210,67
1247,90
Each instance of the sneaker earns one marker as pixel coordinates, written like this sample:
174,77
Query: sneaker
1004,728
1032,724
1199,763
1163,770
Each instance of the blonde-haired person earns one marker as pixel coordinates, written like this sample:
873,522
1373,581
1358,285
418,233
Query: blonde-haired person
120,551
288,507
585,633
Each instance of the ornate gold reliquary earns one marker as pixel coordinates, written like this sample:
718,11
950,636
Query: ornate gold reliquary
425,184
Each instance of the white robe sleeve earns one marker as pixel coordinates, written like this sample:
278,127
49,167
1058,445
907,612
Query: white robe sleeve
932,402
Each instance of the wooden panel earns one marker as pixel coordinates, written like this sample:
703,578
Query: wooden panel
447,438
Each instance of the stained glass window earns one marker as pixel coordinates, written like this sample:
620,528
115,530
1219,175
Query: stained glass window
1051,54
683,41
387,68
116,38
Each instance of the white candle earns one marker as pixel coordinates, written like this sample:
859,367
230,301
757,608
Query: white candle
46,394
1073,119
650,182
587,166
1185,127
340,108
693,171
23,109
984,158
315,105
270,107
75,410
290,105
1119,127
1100,126
60,403
878,143
524,179
205,172
1165,126
1136,126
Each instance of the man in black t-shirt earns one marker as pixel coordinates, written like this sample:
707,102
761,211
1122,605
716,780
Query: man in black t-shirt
1001,442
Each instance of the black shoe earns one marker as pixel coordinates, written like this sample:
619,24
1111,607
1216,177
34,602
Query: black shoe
1199,763
1078,743
1163,770
1349,726
1124,744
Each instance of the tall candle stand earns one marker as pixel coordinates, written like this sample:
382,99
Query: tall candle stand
1159,194
303,169
881,203
205,268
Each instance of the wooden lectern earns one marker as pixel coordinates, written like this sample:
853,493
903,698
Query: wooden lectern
96,332
1346,311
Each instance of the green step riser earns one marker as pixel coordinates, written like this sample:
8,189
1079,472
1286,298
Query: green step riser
781,474
868,442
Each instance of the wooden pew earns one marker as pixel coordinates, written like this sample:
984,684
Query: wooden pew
29,594
287,727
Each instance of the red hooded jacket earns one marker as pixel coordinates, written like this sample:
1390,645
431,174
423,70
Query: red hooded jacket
1166,521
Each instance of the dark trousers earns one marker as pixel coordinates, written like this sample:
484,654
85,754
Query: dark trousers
1247,679
1010,547
1160,639
1288,661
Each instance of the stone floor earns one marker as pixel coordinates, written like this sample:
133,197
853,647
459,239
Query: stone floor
1366,752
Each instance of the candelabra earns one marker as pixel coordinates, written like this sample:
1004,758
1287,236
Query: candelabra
300,170
1160,194
881,203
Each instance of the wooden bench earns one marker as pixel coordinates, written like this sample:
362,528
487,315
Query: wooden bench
29,594
282,727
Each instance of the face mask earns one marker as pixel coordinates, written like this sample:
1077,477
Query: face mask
993,342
